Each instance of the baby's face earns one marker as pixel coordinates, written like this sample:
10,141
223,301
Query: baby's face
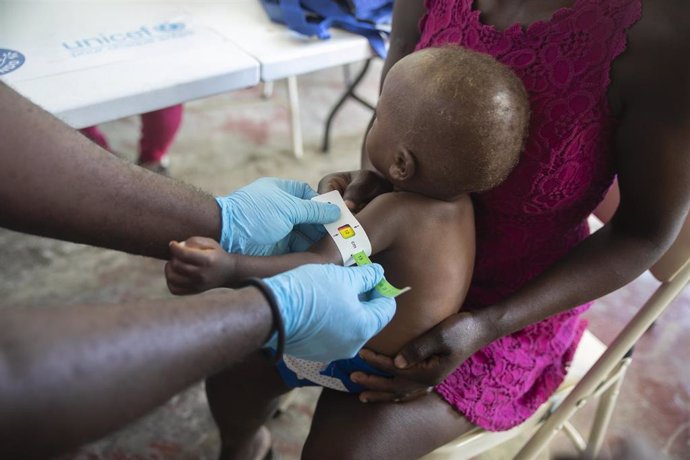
380,143
384,137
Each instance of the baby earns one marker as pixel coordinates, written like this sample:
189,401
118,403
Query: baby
449,122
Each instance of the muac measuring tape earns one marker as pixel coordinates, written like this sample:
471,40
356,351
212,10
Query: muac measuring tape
352,241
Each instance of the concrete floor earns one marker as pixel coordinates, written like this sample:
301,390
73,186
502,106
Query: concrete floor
227,141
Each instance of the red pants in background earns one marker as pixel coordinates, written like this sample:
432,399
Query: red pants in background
158,129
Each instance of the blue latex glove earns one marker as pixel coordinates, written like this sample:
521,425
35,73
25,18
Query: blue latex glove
258,219
323,316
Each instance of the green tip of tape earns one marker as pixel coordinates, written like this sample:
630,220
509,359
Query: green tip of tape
384,288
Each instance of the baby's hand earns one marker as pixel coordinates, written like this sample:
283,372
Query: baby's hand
196,265
358,188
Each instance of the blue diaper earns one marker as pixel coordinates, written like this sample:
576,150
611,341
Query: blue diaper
335,375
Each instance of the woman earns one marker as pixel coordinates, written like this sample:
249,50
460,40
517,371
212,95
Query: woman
609,89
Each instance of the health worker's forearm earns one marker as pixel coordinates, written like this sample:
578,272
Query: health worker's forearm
71,374
56,183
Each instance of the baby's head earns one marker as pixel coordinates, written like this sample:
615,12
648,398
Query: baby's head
449,121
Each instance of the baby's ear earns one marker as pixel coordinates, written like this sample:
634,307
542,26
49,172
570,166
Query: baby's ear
403,167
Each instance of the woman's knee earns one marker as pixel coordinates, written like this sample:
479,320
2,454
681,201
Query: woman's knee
341,429
333,448
346,429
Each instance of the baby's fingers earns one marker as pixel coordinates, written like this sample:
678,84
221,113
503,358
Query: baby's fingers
201,242
178,284
188,255
178,266
179,290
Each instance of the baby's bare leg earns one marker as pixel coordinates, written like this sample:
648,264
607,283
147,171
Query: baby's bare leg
344,428
241,399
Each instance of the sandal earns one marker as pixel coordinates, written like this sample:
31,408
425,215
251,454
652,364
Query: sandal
161,167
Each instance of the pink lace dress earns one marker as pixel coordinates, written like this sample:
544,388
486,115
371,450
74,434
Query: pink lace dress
539,213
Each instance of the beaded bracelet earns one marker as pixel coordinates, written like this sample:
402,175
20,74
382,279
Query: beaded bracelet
278,325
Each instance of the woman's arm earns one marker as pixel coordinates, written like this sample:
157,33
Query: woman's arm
652,148
404,37
360,187
405,32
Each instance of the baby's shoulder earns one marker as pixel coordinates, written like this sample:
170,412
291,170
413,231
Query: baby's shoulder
407,205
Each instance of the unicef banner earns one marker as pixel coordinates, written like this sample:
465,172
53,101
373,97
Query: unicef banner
60,41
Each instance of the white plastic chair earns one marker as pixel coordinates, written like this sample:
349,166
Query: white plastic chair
596,371
478,440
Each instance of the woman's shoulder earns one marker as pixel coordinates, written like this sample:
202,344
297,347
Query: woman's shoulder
663,25
654,69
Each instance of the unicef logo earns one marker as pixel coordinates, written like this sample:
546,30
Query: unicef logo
10,60
170,27
143,36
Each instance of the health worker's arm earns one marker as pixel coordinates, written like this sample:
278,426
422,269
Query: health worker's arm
55,182
95,368
71,374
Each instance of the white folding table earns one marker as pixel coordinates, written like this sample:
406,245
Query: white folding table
90,62
282,54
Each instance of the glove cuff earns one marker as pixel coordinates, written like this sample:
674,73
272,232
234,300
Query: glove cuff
278,326
226,236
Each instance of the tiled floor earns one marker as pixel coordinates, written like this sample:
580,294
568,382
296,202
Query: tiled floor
230,140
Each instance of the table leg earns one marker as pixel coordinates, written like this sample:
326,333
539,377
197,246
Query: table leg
267,90
293,99
349,93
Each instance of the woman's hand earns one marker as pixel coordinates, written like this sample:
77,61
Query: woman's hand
357,187
425,361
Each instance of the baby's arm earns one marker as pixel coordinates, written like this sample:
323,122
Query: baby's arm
199,264
323,251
